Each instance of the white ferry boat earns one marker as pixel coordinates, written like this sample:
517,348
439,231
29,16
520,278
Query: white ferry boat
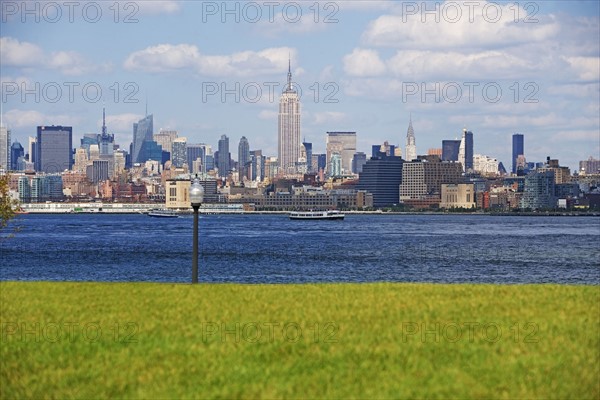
332,214
161,213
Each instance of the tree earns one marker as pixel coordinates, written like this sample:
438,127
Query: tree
8,206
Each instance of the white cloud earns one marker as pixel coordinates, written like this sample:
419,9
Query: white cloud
19,54
156,6
121,122
268,114
363,63
24,54
31,118
588,68
168,57
328,117
457,25
488,65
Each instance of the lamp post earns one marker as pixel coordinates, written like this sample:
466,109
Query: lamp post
196,198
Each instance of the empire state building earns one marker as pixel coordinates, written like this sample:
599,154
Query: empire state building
289,128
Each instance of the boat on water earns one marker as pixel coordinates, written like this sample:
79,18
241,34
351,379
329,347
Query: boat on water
330,214
161,213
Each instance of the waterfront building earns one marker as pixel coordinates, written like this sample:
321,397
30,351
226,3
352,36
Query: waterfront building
539,191
177,193
422,180
288,138
54,148
381,176
461,195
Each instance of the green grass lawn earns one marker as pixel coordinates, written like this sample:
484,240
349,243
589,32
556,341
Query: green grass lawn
100,340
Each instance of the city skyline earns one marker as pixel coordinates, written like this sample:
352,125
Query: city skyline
368,70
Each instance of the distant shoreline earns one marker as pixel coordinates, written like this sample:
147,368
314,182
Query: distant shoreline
380,213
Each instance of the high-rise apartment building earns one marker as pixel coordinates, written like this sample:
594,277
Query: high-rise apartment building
288,139
54,149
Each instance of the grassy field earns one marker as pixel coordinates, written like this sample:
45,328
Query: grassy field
100,340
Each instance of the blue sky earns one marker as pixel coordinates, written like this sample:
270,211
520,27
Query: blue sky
373,64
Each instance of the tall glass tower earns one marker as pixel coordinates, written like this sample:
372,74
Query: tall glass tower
224,156
518,149
142,132
289,128
243,156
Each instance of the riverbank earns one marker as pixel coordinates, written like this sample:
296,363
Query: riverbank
141,340
238,209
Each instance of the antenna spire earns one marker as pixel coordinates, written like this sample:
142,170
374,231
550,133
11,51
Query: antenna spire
289,76
103,122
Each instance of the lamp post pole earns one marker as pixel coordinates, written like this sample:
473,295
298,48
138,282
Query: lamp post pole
196,198
195,246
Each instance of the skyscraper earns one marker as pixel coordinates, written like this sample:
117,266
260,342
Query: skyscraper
343,143
4,148
465,152
106,140
142,132
450,150
195,152
224,156
411,147
165,139
179,152
381,176
54,148
518,149
16,151
309,152
358,161
243,157
289,128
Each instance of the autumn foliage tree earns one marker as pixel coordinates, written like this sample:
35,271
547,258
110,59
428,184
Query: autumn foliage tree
7,204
